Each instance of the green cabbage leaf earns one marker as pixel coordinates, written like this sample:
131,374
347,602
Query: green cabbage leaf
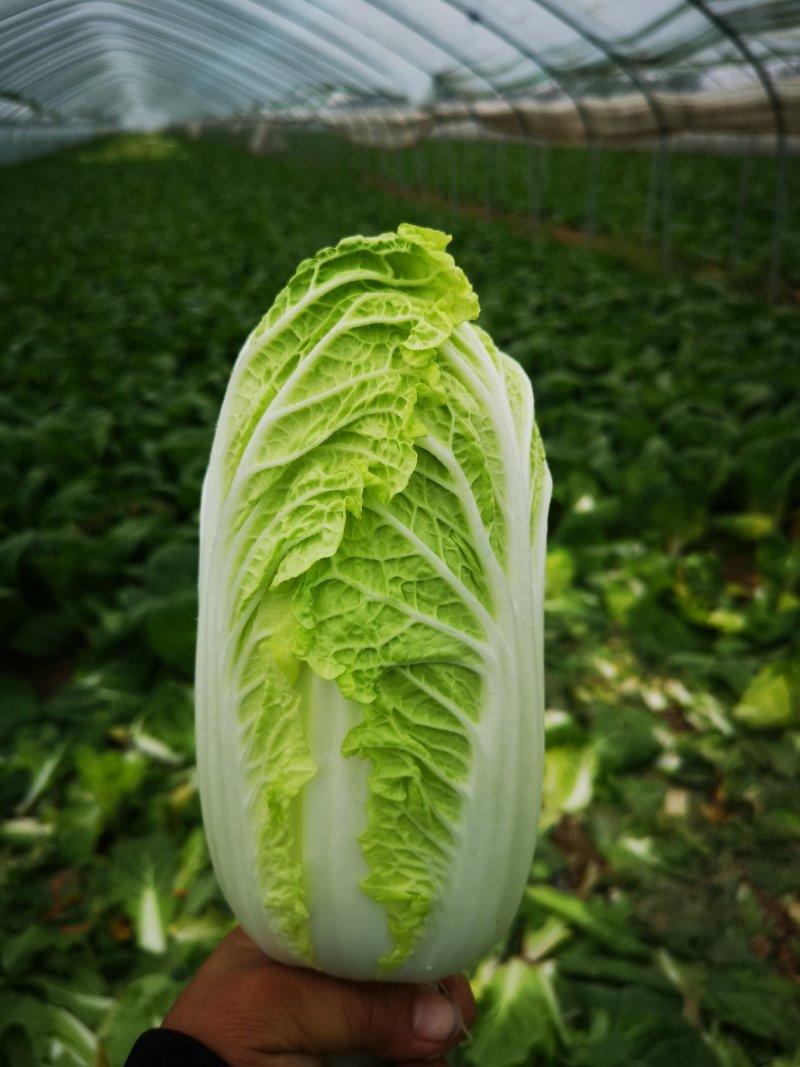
369,661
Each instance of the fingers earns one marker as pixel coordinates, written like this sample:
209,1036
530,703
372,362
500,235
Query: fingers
253,1011
395,1021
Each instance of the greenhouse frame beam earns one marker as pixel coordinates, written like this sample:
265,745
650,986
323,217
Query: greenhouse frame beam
558,78
242,37
776,104
128,44
67,77
456,56
297,65
85,42
535,57
404,20
143,32
447,49
377,6
616,57
270,17
632,72
744,49
302,55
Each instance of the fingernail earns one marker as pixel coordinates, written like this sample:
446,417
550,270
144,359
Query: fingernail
434,1018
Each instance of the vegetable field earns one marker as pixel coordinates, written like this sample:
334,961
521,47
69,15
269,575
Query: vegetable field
702,211
661,924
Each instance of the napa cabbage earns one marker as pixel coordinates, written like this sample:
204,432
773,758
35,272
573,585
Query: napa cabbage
369,659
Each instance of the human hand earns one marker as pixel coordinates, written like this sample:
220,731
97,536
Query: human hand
254,1012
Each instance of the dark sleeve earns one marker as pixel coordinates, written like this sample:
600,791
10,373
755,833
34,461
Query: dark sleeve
169,1048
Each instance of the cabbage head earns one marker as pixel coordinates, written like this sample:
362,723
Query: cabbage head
369,661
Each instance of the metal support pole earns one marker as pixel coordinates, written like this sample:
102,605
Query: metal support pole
452,160
745,172
468,171
502,175
666,204
774,282
544,179
777,105
488,160
420,166
652,196
531,208
590,224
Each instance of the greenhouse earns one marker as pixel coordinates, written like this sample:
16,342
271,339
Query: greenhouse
331,639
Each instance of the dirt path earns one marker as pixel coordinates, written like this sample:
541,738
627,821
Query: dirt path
623,251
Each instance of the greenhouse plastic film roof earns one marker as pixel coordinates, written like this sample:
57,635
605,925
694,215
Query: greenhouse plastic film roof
389,72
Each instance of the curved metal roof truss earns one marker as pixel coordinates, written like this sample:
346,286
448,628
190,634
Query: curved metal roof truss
550,69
